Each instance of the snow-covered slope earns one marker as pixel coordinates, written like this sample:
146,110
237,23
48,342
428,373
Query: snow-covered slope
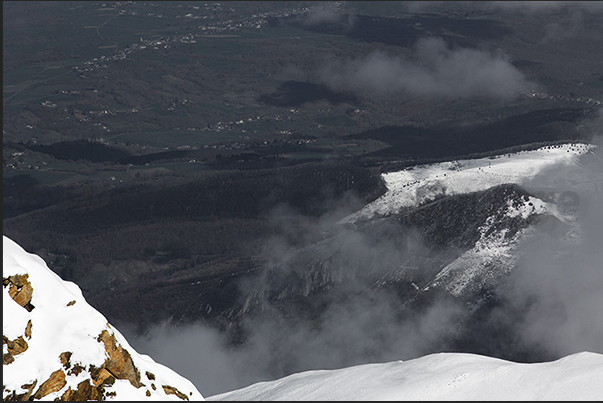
56,346
494,254
443,376
414,186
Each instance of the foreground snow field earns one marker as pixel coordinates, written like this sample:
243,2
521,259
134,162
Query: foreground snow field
444,376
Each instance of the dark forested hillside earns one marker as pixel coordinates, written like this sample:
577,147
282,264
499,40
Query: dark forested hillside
184,224
537,128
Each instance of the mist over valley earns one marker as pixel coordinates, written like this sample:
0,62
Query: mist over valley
250,190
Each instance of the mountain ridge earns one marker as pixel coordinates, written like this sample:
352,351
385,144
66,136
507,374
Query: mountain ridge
56,346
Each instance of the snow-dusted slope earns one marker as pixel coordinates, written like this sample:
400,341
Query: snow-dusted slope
55,345
494,254
415,185
444,376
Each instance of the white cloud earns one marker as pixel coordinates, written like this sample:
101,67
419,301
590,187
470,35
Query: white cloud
435,70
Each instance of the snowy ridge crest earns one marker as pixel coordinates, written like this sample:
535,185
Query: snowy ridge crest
416,185
442,376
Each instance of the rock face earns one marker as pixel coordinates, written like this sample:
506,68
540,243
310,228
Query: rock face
57,347
463,239
19,289
454,252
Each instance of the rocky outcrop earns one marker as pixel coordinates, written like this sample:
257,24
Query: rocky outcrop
119,364
170,390
57,347
27,387
460,247
19,289
15,347
54,383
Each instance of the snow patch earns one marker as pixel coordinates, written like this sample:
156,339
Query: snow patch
443,376
416,185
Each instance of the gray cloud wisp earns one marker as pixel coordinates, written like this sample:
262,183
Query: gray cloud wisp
557,288
558,281
435,70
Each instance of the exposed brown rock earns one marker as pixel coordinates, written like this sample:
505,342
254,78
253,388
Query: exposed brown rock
170,390
15,347
150,375
67,395
28,329
54,383
148,393
25,396
77,368
7,359
65,359
103,377
20,289
30,388
85,391
120,362
71,303
94,371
